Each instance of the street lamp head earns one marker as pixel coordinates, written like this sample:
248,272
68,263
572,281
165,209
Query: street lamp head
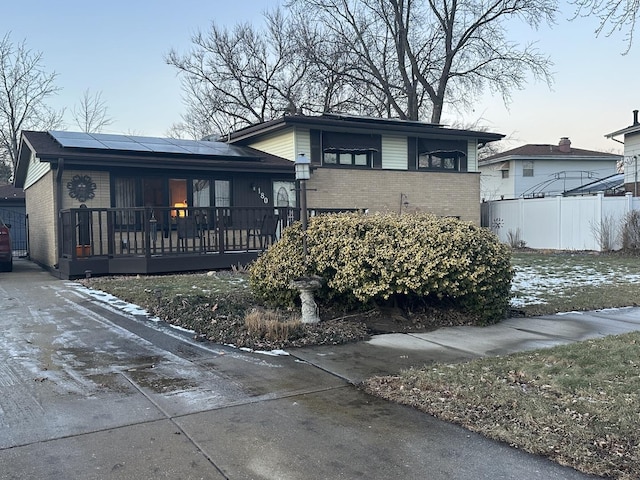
303,167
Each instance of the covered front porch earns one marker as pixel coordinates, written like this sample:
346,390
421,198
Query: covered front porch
153,240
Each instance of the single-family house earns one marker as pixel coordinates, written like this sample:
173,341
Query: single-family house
631,139
379,164
112,204
539,170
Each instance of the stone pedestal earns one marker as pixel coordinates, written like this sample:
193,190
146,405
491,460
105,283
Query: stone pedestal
306,286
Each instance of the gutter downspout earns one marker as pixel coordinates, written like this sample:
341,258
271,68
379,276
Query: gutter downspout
635,183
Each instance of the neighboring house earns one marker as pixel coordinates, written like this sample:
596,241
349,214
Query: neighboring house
538,170
631,140
110,204
379,164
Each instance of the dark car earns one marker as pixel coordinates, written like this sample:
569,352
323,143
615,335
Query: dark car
6,254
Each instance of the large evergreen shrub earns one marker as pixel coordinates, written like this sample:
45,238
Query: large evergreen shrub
380,258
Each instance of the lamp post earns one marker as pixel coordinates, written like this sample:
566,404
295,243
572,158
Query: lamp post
303,173
308,284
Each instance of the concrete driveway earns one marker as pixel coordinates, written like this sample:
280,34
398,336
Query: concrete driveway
87,392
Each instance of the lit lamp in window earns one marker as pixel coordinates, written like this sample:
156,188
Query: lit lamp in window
303,173
179,213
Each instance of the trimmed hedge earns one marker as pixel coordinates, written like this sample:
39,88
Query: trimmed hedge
387,257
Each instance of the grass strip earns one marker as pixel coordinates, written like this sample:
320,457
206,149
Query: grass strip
577,404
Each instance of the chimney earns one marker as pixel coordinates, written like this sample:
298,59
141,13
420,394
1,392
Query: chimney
635,117
565,145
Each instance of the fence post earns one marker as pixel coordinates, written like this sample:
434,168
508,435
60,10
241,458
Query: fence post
599,221
521,225
559,221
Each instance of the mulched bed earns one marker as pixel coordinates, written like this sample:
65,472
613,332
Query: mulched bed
227,326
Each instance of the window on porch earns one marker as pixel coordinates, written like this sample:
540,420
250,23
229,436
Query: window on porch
181,192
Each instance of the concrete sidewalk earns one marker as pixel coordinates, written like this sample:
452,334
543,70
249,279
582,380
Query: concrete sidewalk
87,392
390,353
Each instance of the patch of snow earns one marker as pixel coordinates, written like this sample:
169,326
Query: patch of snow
182,329
273,353
115,302
531,284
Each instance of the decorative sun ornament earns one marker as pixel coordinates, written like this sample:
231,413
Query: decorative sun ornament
81,187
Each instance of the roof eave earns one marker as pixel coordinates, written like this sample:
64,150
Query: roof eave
509,158
375,125
20,173
231,163
625,131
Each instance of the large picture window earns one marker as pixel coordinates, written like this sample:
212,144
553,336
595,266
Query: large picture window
222,189
201,193
443,160
177,193
125,197
447,155
358,158
349,149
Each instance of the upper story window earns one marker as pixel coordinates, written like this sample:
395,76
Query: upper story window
447,155
505,173
358,158
356,150
440,160
527,168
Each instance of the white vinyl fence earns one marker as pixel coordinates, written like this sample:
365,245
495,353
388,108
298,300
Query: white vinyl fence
560,223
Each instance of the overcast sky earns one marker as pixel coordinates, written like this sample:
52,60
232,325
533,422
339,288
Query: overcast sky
118,48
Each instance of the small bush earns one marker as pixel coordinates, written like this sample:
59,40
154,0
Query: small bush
631,231
271,326
386,258
604,232
514,240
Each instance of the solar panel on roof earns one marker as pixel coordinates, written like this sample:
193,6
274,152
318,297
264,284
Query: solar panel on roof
206,150
80,142
106,141
112,137
165,148
63,134
126,146
151,140
180,141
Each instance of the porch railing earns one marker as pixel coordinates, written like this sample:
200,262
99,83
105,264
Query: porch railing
158,231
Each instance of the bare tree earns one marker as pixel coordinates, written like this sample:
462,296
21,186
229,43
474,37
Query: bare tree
24,89
240,76
614,15
422,54
5,172
90,114
389,58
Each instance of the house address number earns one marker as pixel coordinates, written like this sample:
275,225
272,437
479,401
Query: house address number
262,195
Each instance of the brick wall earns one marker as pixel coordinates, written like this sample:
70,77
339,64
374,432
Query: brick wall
440,193
102,192
40,203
